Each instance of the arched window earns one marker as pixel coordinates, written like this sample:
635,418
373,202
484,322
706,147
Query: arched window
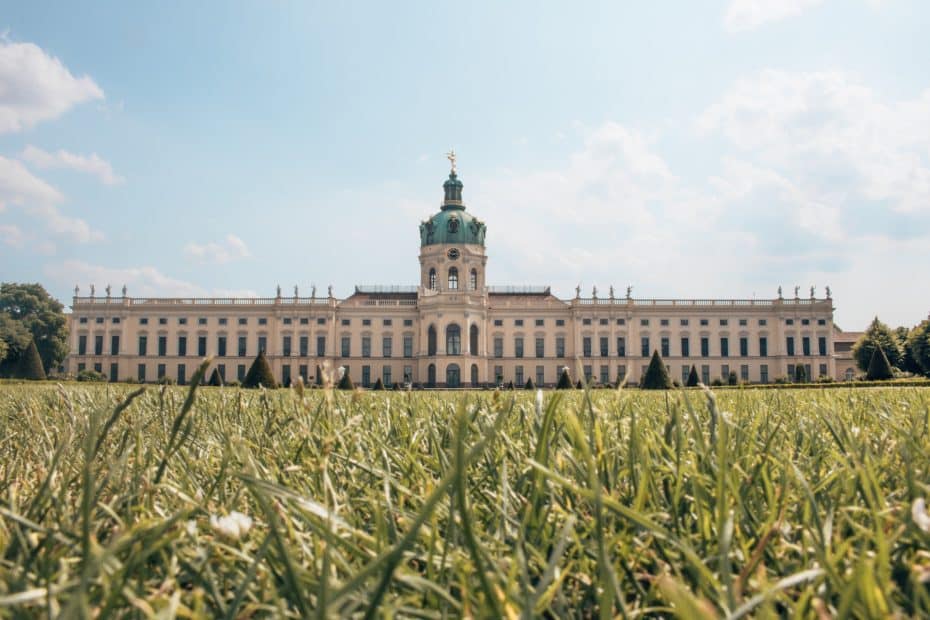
431,375
453,278
473,340
473,280
432,279
431,340
453,340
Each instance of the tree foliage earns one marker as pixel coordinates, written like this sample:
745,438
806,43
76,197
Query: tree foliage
919,343
259,374
879,366
656,377
41,314
529,384
877,335
14,338
345,383
215,379
907,363
565,381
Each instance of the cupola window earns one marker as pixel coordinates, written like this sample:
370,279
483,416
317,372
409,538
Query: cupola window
432,279
453,279
453,225
473,280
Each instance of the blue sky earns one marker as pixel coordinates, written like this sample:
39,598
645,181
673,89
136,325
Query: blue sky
699,149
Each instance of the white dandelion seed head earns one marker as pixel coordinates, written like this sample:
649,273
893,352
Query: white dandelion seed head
233,526
919,514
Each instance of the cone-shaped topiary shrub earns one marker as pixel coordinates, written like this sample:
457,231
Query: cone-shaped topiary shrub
579,385
29,365
259,374
656,375
693,377
529,384
346,382
215,379
731,379
510,385
799,375
319,376
565,382
879,366
379,385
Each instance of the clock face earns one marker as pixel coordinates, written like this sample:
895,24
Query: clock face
453,254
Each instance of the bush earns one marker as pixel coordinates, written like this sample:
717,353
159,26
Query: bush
732,379
656,377
879,366
215,379
166,380
717,382
693,377
565,382
29,365
579,385
345,383
378,386
232,383
529,384
90,375
259,374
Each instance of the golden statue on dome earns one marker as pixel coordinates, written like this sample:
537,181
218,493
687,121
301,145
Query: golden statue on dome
451,157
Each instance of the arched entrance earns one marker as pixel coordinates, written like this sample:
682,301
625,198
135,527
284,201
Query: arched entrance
473,340
474,375
453,376
431,375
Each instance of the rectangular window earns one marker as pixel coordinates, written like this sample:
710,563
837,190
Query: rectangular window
321,321
560,346
345,322
408,323
586,346
705,374
789,321
498,347
685,346
182,321
116,320
83,320
789,342
663,322
366,346
345,346
143,321
724,346
263,321
704,322
202,320
743,322
99,320
366,322
162,346
685,373
286,346
764,373
387,346
221,321
366,376
540,347
221,368
202,346
763,346
114,372
140,373
162,321
82,344
621,373
585,321
822,345
518,377
302,371
644,346
665,347
98,367
240,372
621,321
684,322
143,345
304,321
386,377
763,322
182,374
540,322
603,341
621,346
724,322
744,346
320,346
182,346
725,371
518,322
221,346
540,376
304,344
791,373
518,347
823,370
602,321
560,322
605,374
705,346
262,344
241,351
499,374
243,321
285,374
387,322
805,321
98,345
806,345
588,374
408,374
161,371
408,346
498,322
644,322
744,372
807,372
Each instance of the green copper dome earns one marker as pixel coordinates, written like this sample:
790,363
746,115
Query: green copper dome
452,224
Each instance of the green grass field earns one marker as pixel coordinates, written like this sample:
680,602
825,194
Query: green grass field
761,504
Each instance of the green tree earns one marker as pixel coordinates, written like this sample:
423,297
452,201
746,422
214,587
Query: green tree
42,315
565,381
919,343
29,365
907,363
259,374
345,383
693,377
879,367
215,379
877,335
14,338
529,384
656,375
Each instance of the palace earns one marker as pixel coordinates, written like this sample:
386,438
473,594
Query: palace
453,329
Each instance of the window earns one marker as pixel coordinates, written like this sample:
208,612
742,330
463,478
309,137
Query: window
202,346
806,346
789,321
182,321
621,373
182,346
560,322
473,280
366,322
744,347
408,374
663,322
99,320
602,321
744,372
540,347
222,370
821,321
243,321
221,321
685,347
644,322
453,340
724,346
83,320
764,373
288,320
366,346
345,322
588,372
683,323
705,374
82,344
408,346
540,375
263,321
286,374
140,373
387,346
585,321
162,346
320,346
161,371
321,321
790,345
303,373
386,377
518,322
286,346
644,346
665,347
518,346
621,347
704,322
540,322
432,279
621,321
518,376
823,370
499,374
822,345
605,374
262,344
498,322
81,366
143,345
115,320
182,374
221,346
387,322
705,346
805,321
304,321
240,372
763,346
763,322
345,346
431,341
408,322
742,322
243,344
202,320
604,347
98,345
560,346
724,322
453,278
304,349
791,372
725,372
586,346
685,373
366,376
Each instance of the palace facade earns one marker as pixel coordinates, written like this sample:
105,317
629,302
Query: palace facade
453,329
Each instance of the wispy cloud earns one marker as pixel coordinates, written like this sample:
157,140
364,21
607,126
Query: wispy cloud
91,164
230,249
749,14
11,235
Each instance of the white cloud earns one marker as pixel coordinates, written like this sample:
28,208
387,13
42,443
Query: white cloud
35,86
91,164
749,14
11,235
34,196
230,249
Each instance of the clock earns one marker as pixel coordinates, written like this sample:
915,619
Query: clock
453,254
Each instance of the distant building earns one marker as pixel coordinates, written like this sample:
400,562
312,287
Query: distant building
454,330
